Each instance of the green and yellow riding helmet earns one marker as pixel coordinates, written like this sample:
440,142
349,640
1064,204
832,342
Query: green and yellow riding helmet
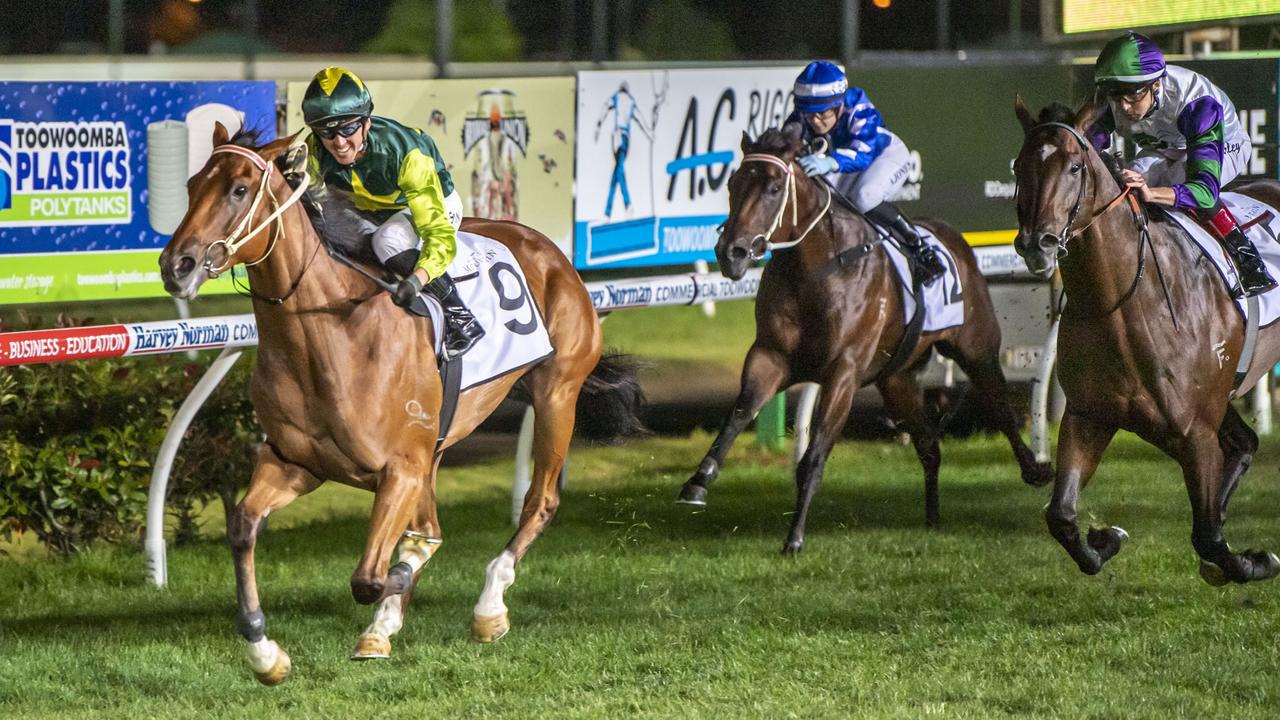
334,96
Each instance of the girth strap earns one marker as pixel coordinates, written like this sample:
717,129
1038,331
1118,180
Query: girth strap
1250,342
910,338
451,380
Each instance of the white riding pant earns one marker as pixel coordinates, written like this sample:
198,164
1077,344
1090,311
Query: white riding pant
880,181
1160,170
398,233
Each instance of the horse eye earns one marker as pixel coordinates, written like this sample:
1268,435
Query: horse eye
1075,168
775,187
239,191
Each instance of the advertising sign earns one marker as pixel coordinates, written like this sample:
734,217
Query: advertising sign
655,150
1083,16
93,179
507,143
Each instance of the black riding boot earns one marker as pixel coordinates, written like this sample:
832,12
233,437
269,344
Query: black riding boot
461,329
1254,278
925,257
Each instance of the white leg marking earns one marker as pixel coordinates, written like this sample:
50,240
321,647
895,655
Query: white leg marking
389,617
498,576
263,654
414,551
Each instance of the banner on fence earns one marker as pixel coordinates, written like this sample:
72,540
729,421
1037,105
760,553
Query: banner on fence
655,150
508,143
33,347
93,179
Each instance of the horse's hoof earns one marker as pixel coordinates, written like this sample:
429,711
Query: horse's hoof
489,629
792,548
1038,475
278,672
372,646
1213,574
692,495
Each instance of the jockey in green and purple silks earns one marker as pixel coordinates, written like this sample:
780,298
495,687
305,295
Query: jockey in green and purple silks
1189,140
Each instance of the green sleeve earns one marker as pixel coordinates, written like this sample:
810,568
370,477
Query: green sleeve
422,190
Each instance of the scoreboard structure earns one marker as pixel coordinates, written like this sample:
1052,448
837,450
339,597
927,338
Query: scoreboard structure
1071,20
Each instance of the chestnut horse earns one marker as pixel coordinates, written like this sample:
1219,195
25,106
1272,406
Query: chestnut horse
1154,353
830,310
346,385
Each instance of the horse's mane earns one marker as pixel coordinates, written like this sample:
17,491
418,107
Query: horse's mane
340,223
248,137
772,141
1056,112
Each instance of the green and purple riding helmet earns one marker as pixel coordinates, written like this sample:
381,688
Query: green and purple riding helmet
1128,63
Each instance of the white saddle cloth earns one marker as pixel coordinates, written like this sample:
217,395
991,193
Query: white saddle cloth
491,284
1262,233
943,298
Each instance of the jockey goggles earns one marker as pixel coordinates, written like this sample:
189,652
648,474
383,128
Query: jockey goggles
1128,94
347,130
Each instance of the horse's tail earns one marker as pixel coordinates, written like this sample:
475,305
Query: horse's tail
610,402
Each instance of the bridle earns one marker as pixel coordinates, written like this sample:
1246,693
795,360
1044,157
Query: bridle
788,198
238,237
1067,230
1139,220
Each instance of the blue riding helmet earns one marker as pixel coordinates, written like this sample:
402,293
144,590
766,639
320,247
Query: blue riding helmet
820,86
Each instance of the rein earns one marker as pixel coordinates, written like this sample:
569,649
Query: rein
788,198
238,236
1140,221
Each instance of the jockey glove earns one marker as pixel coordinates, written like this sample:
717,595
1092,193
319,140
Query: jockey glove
818,164
406,290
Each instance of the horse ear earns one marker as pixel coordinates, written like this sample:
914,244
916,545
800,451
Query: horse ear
277,148
220,135
793,133
293,161
746,143
1024,115
1086,114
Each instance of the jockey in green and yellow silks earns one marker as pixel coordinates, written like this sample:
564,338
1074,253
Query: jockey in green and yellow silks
395,173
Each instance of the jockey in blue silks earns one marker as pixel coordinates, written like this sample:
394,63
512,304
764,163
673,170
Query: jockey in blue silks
867,164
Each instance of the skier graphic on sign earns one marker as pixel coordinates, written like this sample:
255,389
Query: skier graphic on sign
625,111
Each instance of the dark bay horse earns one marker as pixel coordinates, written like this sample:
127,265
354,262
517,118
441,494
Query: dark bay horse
1154,353
821,318
347,389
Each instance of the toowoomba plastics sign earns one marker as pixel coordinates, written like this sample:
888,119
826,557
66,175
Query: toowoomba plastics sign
92,179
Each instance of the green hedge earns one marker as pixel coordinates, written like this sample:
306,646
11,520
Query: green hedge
77,442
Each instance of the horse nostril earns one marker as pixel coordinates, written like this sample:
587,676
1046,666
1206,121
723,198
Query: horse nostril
737,253
1048,242
185,265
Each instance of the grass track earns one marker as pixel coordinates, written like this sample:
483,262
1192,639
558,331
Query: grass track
630,606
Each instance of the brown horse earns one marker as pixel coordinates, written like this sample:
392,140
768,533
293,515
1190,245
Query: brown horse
826,318
1150,352
346,386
